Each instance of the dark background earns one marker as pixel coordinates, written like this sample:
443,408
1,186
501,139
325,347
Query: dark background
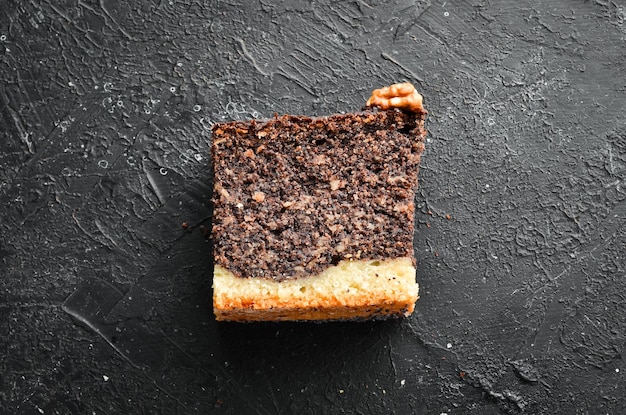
105,115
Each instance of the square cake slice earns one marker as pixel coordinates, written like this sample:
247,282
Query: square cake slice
313,217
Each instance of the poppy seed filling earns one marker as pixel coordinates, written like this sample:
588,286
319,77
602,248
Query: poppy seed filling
294,195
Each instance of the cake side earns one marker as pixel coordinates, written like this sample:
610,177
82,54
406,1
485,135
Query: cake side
351,290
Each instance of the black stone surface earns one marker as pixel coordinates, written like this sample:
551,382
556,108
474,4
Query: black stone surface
105,111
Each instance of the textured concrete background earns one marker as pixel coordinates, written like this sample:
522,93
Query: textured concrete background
105,115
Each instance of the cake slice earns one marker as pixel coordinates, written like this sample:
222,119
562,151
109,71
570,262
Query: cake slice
313,217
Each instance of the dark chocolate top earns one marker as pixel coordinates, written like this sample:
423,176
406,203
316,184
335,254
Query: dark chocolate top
295,194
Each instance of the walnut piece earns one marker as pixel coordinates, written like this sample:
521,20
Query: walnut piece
403,96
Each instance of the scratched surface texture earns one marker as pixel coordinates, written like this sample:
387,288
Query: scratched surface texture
105,113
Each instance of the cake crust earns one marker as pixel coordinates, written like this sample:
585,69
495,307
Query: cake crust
351,290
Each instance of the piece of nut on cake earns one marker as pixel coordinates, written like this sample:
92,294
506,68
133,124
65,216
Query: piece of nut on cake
313,217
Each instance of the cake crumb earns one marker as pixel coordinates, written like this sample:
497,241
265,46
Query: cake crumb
258,197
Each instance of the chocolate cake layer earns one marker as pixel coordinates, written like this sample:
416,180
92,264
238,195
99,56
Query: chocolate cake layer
294,195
